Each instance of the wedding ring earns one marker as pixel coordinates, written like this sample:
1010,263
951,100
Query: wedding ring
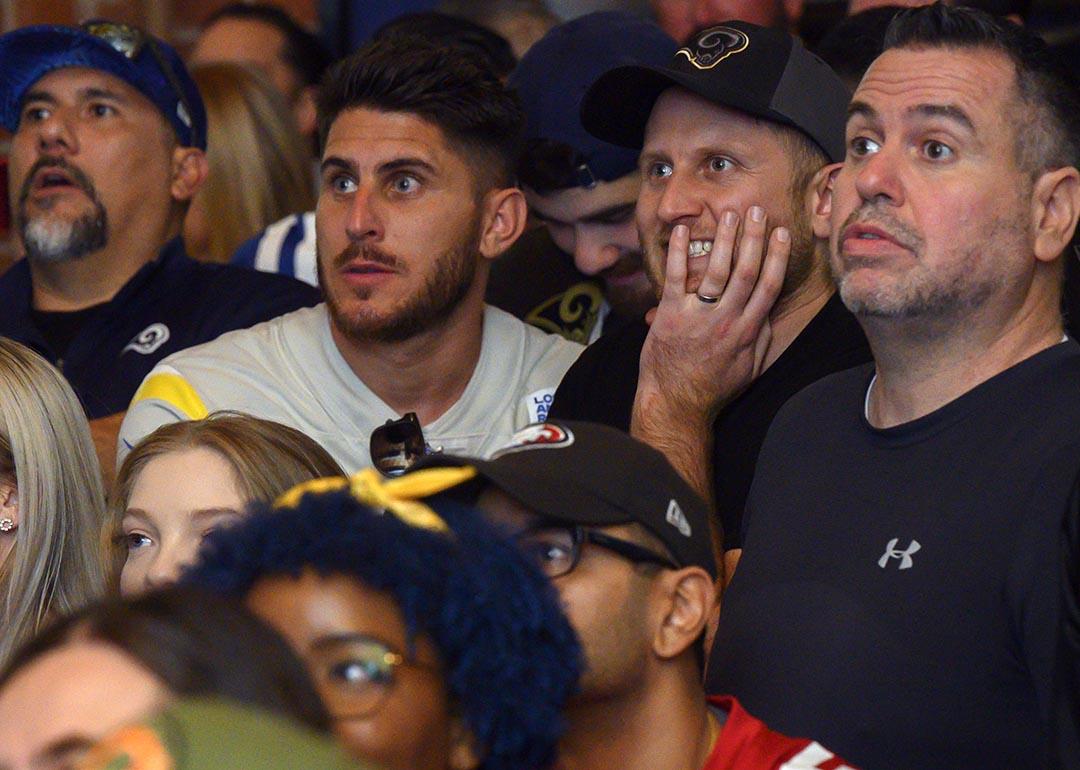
707,299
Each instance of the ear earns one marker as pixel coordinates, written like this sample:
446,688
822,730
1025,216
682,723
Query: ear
465,752
1055,202
689,596
9,501
189,170
304,111
504,215
820,199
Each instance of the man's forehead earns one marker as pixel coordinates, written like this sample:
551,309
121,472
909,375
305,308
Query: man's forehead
974,80
363,135
681,119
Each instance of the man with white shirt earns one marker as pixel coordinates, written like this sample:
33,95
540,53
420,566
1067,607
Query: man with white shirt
416,199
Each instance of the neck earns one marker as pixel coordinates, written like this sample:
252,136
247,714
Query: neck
426,373
96,277
795,310
921,365
666,724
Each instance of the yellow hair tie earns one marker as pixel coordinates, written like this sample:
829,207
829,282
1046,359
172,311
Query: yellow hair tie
399,496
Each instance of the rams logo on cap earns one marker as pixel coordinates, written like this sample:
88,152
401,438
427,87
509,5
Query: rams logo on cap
713,46
542,435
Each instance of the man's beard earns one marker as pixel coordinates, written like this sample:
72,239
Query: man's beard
629,300
448,280
51,240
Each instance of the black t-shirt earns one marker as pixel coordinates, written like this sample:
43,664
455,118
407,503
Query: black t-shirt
897,596
1065,748
601,384
60,328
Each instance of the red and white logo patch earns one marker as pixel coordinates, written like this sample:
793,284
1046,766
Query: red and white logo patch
542,435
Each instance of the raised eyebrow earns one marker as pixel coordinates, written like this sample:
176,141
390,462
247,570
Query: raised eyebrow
96,92
949,112
862,109
136,513
209,513
334,162
399,164
38,96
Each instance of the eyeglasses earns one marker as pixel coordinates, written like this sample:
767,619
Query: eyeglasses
556,550
129,42
398,444
354,673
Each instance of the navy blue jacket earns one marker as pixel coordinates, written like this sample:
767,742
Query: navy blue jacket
172,303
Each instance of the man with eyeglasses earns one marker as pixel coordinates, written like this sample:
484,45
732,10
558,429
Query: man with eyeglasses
416,200
626,544
108,148
432,642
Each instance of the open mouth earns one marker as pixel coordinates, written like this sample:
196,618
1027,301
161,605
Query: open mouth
52,179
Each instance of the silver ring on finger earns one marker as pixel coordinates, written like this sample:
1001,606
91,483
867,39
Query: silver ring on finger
707,299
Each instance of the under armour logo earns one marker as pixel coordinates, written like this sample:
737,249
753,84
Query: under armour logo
677,518
149,339
892,552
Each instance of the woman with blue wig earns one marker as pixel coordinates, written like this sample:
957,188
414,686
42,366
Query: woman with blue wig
434,643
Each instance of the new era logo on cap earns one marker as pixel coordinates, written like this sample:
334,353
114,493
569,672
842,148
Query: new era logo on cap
714,46
677,518
542,436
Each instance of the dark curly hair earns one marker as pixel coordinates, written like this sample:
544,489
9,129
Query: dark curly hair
511,657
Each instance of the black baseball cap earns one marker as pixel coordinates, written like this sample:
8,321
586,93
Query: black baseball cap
761,71
585,473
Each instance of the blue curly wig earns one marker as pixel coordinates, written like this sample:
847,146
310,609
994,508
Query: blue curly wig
510,656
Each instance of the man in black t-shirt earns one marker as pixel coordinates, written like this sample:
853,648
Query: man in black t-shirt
723,135
107,150
899,592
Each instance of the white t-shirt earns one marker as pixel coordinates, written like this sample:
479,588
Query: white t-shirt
289,370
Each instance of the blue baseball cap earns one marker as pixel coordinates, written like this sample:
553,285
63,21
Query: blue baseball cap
144,62
555,73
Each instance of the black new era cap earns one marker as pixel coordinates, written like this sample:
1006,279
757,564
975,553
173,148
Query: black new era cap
584,473
760,71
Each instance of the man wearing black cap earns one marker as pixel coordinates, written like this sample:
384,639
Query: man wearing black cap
619,532
108,149
581,188
742,123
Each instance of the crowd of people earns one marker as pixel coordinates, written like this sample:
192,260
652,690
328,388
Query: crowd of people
515,393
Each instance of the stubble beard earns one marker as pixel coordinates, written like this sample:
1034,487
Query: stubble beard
965,285
50,240
449,280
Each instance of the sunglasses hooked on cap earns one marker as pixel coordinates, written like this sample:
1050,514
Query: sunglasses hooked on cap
144,62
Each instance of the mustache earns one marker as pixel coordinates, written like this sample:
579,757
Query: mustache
869,214
78,177
368,253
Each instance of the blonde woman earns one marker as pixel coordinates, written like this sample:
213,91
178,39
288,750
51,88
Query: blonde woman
187,478
52,501
260,170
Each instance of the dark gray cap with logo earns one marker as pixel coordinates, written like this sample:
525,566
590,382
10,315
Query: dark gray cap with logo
763,72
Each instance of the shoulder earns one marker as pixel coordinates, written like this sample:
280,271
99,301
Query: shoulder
286,247
504,331
747,743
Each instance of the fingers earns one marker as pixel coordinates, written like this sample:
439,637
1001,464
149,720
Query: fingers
744,273
771,278
715,279
675,268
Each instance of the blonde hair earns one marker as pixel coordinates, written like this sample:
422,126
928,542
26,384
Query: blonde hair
260,169
267,459
56,564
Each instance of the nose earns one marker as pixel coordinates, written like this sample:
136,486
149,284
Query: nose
594,254
55,134
678,201
364,222
168,563
877,178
